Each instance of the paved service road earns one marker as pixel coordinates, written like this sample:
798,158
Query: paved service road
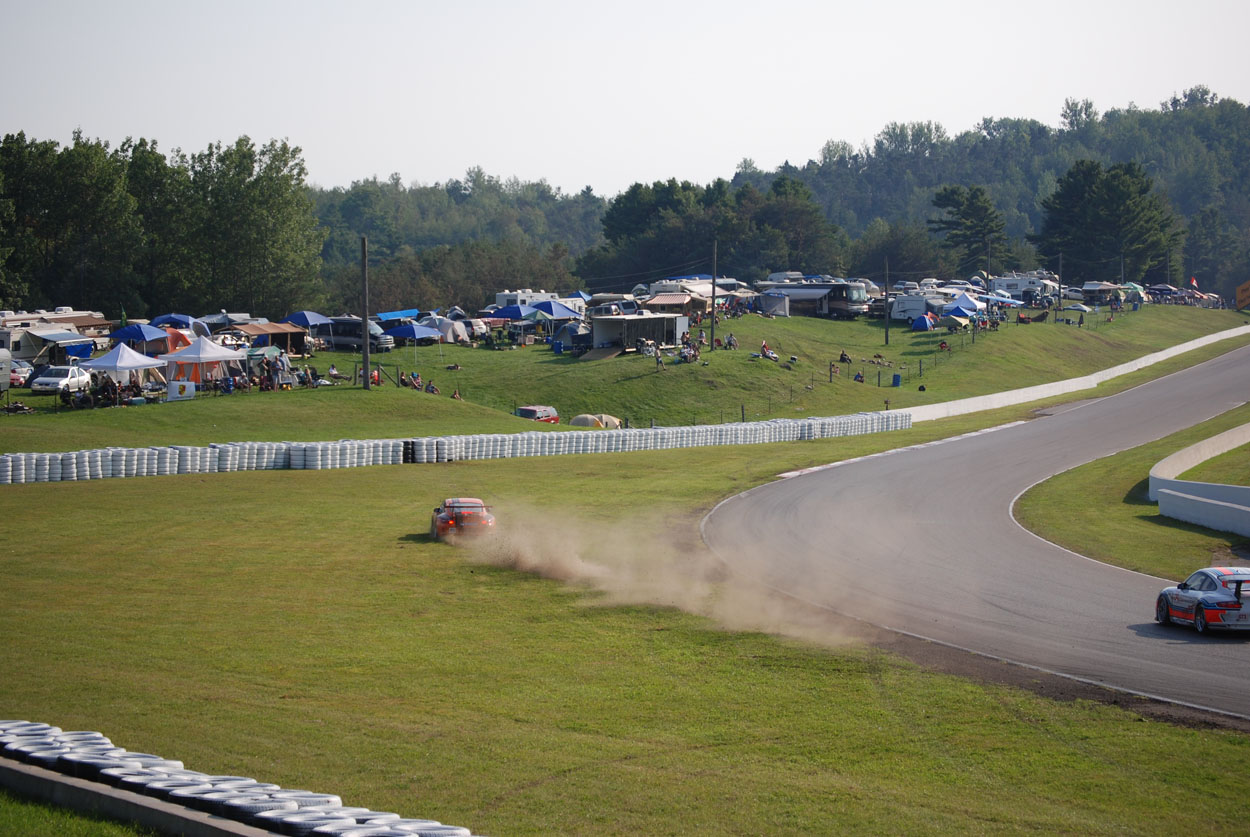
922,540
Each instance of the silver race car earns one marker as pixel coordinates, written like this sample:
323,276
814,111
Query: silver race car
1210,598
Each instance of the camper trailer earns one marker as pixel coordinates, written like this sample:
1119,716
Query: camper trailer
910,306
1038,283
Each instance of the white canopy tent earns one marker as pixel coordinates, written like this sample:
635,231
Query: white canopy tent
121,362
202,361
969,303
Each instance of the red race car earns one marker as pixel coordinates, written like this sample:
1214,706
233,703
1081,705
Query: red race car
461,516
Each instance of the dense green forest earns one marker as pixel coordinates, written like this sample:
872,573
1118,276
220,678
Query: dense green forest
1144,194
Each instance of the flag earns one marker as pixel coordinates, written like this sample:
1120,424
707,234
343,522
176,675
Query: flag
1193,280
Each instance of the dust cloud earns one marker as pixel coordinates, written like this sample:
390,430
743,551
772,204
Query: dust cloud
658,562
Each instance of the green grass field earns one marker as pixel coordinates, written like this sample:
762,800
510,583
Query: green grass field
1232,467
589,674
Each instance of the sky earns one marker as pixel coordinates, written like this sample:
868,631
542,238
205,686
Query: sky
587,93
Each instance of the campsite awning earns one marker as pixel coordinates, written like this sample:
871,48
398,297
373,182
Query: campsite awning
259,329
60,338
668,299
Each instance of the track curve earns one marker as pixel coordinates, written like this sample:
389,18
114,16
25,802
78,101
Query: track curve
921,540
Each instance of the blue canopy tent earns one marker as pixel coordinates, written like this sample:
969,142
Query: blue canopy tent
414,332
307,319
557,310
173,320
956,311
922,324
513,312
181,321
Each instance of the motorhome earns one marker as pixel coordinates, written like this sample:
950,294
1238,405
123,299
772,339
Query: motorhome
344,333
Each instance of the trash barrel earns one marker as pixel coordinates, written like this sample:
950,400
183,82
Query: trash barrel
1136,306
898,380
557,346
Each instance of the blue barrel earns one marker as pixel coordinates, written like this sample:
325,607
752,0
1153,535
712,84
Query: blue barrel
898,380
557,346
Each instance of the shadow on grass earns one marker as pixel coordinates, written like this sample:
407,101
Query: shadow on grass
417,537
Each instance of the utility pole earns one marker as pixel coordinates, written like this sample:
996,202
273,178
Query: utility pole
712,346
887,300
364,296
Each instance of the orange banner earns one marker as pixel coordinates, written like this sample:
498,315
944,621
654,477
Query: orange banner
1243,296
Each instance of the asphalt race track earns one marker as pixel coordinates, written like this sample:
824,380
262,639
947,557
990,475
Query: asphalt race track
921,540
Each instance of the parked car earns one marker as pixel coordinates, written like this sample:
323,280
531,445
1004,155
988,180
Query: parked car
461,516
19,373
1073,293
539,413
1210,598
57,379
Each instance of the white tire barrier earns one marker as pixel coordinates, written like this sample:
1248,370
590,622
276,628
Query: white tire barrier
93,757
106,463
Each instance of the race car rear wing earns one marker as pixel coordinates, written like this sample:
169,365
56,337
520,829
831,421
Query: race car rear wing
1235,582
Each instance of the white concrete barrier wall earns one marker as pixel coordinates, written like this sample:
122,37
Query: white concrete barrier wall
1203,511
1165,472
1214,505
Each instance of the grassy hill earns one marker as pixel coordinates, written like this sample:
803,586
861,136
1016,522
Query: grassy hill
732,384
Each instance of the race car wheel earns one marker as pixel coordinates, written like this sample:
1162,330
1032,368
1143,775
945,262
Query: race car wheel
1161,612
1200,620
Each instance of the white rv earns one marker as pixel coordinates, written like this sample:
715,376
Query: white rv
1038,283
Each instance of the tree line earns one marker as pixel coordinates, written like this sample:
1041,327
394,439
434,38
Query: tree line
1147,195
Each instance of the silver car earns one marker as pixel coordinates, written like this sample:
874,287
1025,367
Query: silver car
57,379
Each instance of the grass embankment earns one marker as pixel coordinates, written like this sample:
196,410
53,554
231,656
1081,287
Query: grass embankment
298,627
731,385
